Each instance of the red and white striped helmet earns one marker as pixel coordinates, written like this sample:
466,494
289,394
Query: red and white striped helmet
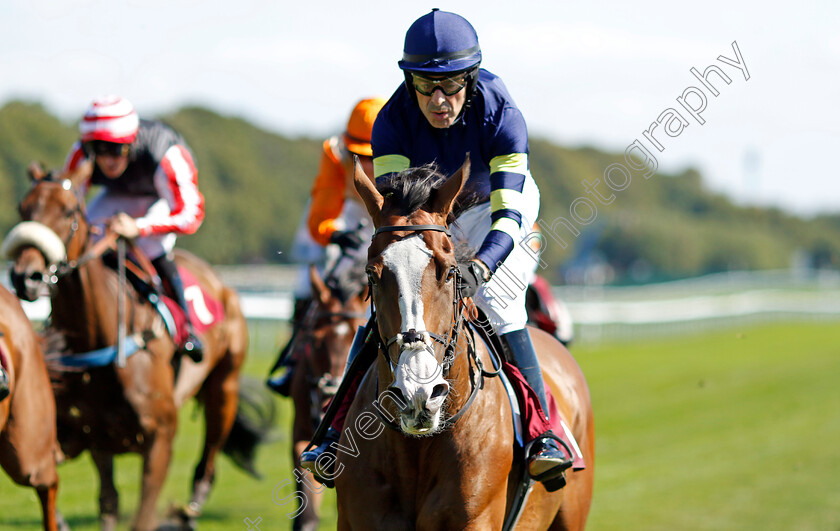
111,119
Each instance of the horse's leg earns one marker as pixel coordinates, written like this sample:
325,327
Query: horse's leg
308,519
47,497
28,457
26,465
155,466
302,432
221,398
108,496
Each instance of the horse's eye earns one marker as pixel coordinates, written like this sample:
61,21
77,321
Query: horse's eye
450,275
372,276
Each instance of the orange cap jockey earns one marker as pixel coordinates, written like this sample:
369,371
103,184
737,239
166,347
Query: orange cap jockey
332,185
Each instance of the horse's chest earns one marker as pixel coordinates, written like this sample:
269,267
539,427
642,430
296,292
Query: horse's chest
94,414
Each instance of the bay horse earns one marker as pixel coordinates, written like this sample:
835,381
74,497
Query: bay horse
28,445
449,463
110,409
326,335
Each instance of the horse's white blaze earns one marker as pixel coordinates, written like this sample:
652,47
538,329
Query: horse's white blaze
407,259
418,371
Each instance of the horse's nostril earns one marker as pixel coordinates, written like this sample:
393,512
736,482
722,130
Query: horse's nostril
440,390
36,276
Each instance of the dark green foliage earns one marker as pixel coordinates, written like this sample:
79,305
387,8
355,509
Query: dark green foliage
667,226
256,185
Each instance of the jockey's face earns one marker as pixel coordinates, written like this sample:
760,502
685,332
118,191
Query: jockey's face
439,109
111,157
112,166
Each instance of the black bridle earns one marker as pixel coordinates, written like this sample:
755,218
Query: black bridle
449,343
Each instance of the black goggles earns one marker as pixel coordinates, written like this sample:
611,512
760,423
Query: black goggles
100,147
449,85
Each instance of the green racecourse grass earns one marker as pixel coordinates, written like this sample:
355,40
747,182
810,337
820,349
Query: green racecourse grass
733,430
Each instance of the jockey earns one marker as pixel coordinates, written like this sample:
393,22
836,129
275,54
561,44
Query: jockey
149,188
446,108
336,214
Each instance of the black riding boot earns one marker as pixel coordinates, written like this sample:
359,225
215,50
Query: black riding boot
172,279
546,461
282,384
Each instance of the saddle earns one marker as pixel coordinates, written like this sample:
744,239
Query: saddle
205,310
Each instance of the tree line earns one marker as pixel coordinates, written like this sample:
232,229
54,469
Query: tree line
256,185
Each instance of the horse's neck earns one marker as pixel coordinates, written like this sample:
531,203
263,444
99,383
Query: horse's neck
84,305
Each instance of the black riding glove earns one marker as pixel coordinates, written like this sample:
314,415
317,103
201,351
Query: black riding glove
471,276
346,239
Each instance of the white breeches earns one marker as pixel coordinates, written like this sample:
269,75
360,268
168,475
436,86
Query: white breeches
108,204
503,297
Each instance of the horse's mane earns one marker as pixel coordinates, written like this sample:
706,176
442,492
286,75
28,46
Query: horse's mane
410,189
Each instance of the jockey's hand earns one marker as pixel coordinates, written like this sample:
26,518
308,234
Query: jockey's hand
349,240
471,276
124,225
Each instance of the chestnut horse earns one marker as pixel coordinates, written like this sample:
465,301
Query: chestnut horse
451,464
28,445
326,336
111,409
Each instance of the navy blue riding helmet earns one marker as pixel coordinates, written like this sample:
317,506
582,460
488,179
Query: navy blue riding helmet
441,43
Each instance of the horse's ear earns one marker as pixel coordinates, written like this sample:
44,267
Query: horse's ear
445,195
81,173
36,171
371,197
319,288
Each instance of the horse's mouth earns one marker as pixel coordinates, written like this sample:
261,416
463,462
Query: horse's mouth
27,287
422,424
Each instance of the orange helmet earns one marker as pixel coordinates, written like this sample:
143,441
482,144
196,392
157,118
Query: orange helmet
110,119
360,125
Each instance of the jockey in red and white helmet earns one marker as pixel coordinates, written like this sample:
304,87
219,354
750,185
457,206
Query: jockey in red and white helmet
149,187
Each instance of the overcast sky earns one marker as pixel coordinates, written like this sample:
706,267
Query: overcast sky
582,75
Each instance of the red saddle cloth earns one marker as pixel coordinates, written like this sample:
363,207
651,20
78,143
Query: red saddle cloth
205,310
4,358
533,419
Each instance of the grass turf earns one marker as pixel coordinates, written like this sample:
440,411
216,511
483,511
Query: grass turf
732,430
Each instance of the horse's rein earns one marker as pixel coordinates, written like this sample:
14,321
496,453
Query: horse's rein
108,241
65,267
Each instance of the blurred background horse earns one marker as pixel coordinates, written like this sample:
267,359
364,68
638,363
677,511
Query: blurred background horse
28,444
110,409
337,309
